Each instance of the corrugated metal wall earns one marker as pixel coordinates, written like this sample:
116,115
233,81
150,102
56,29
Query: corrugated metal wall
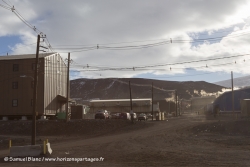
55,82
119,109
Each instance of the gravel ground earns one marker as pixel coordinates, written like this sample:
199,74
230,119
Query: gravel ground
20,131
189,140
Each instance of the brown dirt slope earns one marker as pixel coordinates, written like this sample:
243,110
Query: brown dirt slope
114,88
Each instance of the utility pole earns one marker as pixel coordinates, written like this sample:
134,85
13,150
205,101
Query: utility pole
180,101
191,105
67,103
33,135
232,91
181,107
131,107
169,107
176,103
152,103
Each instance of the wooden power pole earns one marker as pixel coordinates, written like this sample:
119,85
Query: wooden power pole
152,103
232,91
131,106
176,103
33,135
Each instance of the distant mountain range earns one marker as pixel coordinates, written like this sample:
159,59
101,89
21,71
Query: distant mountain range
113,88
237,82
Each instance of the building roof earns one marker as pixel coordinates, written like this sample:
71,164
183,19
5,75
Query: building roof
238,90
25,56
117,100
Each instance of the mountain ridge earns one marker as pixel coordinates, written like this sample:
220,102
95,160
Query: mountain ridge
118,88
237,82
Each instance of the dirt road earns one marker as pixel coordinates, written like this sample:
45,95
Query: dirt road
189,140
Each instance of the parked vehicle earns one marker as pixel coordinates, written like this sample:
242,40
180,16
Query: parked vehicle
135,116
149,116
115,116
125,115
142,117
110,115
102,114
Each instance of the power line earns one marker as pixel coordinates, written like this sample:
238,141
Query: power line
136,68
162,41
185,75
5,7
171,68
130,47
106,47
36,30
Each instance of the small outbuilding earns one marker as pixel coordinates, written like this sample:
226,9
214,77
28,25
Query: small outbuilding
245,107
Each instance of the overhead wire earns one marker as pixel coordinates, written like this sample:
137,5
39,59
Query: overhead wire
160,65
35,29
82,49
171,68
185,75
162,40
141,46
5,7
124,47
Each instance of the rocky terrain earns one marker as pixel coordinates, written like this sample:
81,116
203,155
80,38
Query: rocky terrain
113,88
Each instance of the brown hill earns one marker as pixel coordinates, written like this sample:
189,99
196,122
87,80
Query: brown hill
113,88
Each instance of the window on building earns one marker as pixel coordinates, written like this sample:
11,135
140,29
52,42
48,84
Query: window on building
15,67
14,103
14,85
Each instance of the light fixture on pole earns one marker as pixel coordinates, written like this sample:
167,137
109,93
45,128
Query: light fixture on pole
27,76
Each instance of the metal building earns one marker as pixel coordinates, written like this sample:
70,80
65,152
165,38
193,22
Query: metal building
198,103
17,82
123,105
224,101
